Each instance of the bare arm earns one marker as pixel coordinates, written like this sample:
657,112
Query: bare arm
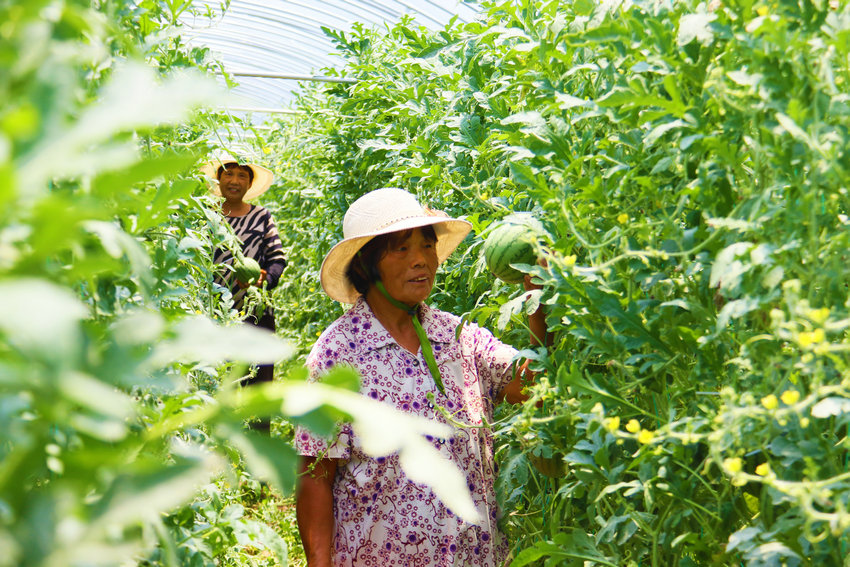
314,509
512,392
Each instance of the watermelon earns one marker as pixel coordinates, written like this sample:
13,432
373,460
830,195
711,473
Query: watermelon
247,270
512,241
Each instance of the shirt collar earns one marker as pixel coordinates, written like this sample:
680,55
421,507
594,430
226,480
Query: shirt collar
436,328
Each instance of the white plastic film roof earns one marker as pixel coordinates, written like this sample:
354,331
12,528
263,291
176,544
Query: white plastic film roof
285,37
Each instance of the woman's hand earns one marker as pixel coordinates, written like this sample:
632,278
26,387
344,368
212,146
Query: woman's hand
258,283
513,391
537,320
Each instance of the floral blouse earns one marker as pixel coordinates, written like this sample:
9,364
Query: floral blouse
381,517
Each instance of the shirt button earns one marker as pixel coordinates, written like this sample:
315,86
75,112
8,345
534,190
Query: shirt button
416,362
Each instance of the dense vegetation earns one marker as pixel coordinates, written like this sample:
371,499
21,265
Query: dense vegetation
122,433
690,164
688,161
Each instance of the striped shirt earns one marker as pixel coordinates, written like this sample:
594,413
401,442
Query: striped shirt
260,241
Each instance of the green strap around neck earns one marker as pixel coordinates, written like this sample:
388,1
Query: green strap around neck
427,352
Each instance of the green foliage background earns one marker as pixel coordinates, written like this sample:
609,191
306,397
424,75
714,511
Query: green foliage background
688,160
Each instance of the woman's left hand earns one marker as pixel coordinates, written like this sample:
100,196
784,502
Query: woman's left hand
258,283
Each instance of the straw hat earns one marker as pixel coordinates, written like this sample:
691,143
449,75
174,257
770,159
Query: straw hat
262,177
381,212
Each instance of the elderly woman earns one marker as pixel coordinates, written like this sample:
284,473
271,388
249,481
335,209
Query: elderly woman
255,228
354,510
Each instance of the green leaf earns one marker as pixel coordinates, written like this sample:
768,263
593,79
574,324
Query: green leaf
736,309
831,406
568,101
111,407
119,244
609,306
528,175
727,269
134,98
660,130
200,340
529,118
118,181
253,533
343,377
268,458
569,544
41,319
695,27
144,492
788,124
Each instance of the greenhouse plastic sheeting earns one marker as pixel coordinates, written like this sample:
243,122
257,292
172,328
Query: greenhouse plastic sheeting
286,37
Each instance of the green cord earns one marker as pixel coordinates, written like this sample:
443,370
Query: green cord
427,352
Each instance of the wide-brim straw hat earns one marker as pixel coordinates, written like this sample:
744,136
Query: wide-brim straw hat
263,178
383,211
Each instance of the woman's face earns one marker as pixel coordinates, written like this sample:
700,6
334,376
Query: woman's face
408,267
234,182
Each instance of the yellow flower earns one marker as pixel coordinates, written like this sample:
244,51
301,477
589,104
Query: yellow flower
762,10
734,464
645,436
570,260
819,315
763,469
804,422
612,424
633,426
267,150
622,218
808,338
770,402
790,397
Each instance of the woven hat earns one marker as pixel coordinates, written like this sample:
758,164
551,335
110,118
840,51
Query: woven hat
381,212
262,177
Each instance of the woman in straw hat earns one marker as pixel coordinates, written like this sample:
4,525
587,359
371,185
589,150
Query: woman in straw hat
256,230
352,509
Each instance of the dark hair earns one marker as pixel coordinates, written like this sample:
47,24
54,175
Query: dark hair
362,271
232,165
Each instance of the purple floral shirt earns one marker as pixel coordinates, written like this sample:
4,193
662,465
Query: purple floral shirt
381,517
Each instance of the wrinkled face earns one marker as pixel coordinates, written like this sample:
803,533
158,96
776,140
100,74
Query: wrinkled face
234,182
408,266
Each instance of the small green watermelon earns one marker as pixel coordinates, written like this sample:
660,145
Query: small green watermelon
247,270
512,242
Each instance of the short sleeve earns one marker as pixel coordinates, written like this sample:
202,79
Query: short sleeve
308,444
493,360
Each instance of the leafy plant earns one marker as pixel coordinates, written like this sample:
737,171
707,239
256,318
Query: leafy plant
688,161
119,415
